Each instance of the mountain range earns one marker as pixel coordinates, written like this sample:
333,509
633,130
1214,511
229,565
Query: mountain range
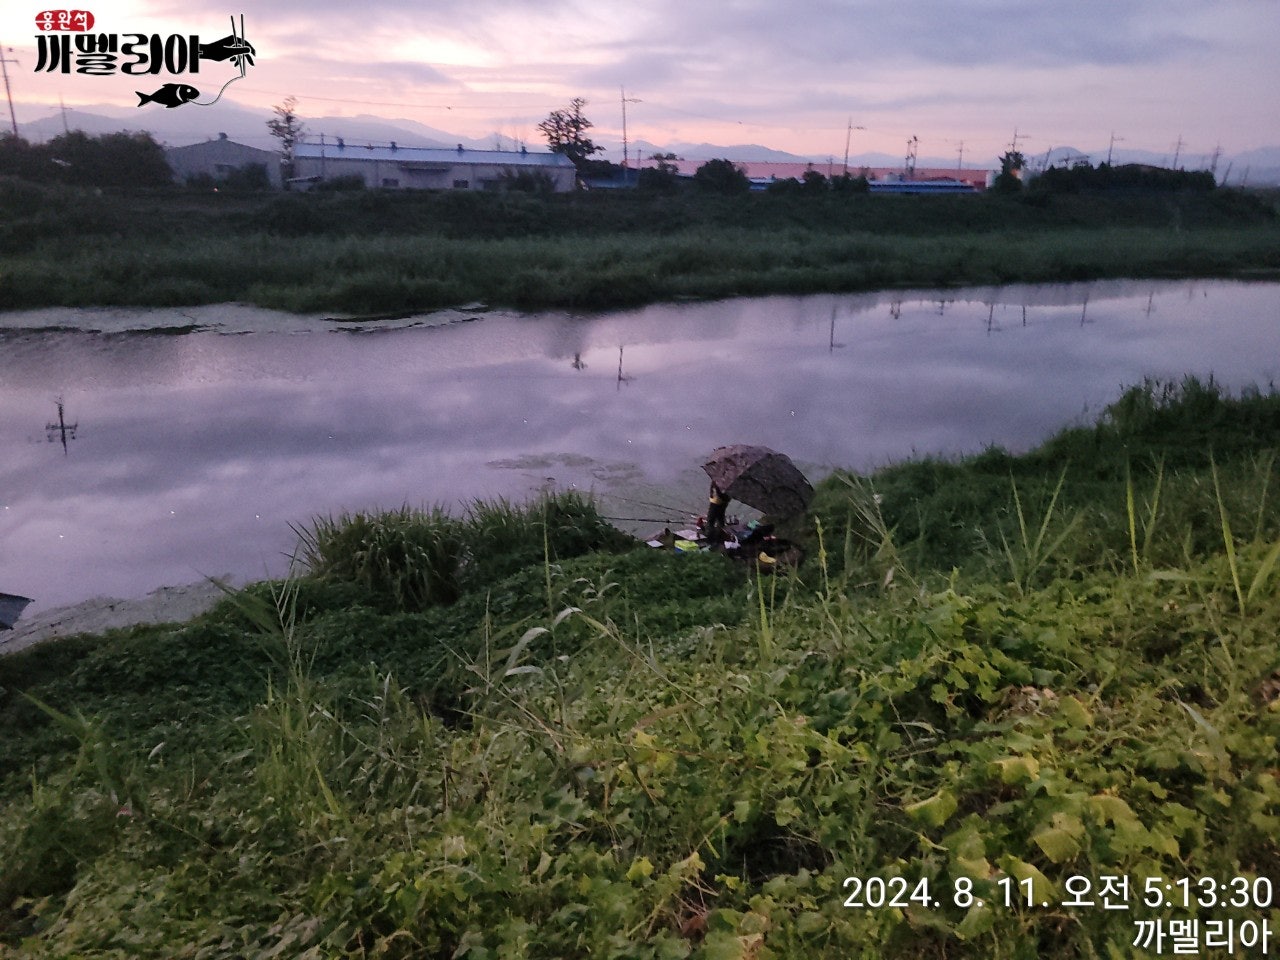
181,127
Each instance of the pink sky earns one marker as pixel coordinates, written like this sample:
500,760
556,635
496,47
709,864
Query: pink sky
789,77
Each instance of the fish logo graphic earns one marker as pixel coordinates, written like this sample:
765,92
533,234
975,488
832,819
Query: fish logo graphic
171,95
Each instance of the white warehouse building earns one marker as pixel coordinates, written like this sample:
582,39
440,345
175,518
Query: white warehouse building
427,168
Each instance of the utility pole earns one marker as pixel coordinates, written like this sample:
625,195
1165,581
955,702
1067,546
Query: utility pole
1111,145
4,65
1177,150
63,107
848,135
1013,147
960,159
912,144
67,431
623,95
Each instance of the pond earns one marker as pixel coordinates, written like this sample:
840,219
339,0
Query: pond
201,434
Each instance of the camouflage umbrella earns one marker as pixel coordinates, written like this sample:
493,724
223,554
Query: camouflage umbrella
760,478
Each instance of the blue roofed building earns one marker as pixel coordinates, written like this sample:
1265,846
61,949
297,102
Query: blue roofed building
394,167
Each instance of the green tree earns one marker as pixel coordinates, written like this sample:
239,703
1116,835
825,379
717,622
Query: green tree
288,129
1009,179
847,183
813,182
250,178
721,176
18,158
527,181
566,130
123,159
662,178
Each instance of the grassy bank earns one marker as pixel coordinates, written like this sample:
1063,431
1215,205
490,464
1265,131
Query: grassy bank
382,251
990,676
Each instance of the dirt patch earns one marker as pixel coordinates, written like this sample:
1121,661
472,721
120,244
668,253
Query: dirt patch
99,614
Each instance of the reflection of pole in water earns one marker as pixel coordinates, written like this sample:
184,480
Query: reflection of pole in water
1150,298
1024,314
67,431
1084,309
831,342
578,363
991,316
895,309
621,376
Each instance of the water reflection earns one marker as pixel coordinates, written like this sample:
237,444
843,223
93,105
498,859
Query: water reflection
204,447
61,430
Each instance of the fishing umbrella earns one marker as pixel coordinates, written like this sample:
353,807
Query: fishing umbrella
760,478
11,607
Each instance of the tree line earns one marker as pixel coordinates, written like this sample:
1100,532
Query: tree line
126,159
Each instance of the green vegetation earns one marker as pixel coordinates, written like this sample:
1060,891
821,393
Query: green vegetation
288,129
989,677
1124,178
721,176
375,251
410,559
120,160
566,133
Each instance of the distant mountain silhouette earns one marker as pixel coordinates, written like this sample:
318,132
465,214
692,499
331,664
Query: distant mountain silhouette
177,128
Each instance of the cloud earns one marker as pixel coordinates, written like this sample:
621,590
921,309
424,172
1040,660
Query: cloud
784,76
408,72
831,34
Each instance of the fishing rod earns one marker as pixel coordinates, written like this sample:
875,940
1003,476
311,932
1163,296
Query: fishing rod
644,503
642,519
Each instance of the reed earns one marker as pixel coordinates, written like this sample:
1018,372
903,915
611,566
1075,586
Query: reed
646,754
378,252
405,558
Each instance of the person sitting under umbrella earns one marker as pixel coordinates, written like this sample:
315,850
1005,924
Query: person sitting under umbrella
717,507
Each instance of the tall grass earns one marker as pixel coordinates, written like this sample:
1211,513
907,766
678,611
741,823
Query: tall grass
412,559
317,274
378,252
407,559
649,755
1136,490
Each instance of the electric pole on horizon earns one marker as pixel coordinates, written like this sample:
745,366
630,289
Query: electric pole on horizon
848,135
4,66
1112,144
1177,150
625,100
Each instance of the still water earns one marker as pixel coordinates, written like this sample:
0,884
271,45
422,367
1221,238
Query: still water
200,435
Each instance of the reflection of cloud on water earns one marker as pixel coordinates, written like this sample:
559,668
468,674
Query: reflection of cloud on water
197,451
606,472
